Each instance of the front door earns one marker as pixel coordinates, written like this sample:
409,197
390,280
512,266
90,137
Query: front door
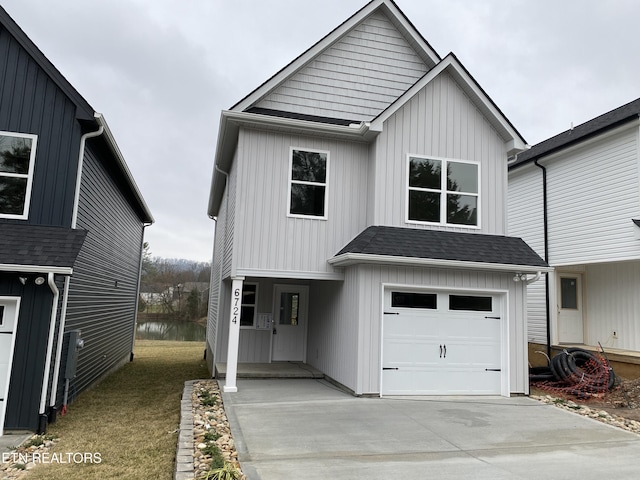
8,325
290,323
570,321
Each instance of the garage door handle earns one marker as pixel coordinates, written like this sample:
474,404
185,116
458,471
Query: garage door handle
390,368
492,369
443,351
493,318
391,313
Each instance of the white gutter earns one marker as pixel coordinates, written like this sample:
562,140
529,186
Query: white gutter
347,259
52,329
11,267
529,281
76,198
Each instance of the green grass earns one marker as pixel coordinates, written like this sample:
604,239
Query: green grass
130,419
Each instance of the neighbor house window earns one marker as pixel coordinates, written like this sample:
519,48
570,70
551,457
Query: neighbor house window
17,155
308,183
442,191
249,302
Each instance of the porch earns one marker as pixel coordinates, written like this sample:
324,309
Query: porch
271,370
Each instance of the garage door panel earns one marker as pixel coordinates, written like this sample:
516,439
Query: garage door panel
429,352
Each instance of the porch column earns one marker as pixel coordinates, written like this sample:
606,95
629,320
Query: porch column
234,335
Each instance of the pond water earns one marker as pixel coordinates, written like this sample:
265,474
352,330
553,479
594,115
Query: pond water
170,330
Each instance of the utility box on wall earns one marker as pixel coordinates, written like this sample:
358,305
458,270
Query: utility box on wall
74,344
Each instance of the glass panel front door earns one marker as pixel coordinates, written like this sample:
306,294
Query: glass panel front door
290,325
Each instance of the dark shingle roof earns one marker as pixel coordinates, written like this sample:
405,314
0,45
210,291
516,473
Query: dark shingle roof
582,132
37,245
441,245
301,116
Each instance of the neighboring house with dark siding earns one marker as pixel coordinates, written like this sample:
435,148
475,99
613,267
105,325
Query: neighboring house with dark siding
71,232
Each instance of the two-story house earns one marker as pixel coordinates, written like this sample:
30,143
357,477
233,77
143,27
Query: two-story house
575,198
360,204
71,231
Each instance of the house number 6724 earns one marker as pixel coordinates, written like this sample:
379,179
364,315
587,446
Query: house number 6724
236,305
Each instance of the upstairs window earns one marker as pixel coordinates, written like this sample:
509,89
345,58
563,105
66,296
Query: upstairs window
17,156
442,191
308,183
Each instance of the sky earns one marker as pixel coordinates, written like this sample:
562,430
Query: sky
161,71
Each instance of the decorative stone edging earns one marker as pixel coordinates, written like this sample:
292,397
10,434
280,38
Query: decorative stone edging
184,455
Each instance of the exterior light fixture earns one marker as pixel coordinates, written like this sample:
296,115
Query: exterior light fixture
39,280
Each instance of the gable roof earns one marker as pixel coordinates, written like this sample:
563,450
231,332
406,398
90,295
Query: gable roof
25,247
596,126
451,65
88,117
379,244
388,7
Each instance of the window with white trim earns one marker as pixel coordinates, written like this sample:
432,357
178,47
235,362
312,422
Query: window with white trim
249,305
17,157
450,198
308,183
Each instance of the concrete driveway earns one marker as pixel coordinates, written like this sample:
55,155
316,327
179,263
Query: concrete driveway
307,429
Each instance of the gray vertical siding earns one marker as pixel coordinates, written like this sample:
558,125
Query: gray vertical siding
30,102
356,78
269,240
440,121
102,299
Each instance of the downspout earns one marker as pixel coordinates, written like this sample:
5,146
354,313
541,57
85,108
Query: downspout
545,217
65,298
43,417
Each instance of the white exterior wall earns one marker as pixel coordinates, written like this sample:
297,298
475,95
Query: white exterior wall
525,217
593,193
442,122
356,78
612,304
370,287
268,241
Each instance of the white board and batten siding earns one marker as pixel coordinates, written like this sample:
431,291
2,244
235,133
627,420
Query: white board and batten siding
356,78
372,280
440,121
612,304
593,193
270,242
526,220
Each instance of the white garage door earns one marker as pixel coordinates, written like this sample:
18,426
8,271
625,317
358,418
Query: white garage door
441,344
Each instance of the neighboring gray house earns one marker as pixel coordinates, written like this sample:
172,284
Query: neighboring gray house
360,205
591,220
71,230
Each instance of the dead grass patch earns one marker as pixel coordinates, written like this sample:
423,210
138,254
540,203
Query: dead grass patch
131,418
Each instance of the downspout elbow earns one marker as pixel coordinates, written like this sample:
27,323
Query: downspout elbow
534,279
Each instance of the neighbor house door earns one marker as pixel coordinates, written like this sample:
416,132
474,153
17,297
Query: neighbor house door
290,323
8,325
570,318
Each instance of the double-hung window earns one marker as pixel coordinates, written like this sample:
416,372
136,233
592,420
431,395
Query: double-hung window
443,191
308,183
17,156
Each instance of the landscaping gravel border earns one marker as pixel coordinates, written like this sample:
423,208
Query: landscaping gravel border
184,469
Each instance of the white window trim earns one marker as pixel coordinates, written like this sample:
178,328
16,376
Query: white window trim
443,192
290,181
28,176
254,305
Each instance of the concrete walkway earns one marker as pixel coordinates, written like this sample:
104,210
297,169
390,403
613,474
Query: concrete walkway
290,429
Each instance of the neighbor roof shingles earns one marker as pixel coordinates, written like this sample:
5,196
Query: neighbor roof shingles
442,245
39,245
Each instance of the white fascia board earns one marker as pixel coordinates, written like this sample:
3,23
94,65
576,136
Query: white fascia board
348,259
123,166
513,141
292,274
10,267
